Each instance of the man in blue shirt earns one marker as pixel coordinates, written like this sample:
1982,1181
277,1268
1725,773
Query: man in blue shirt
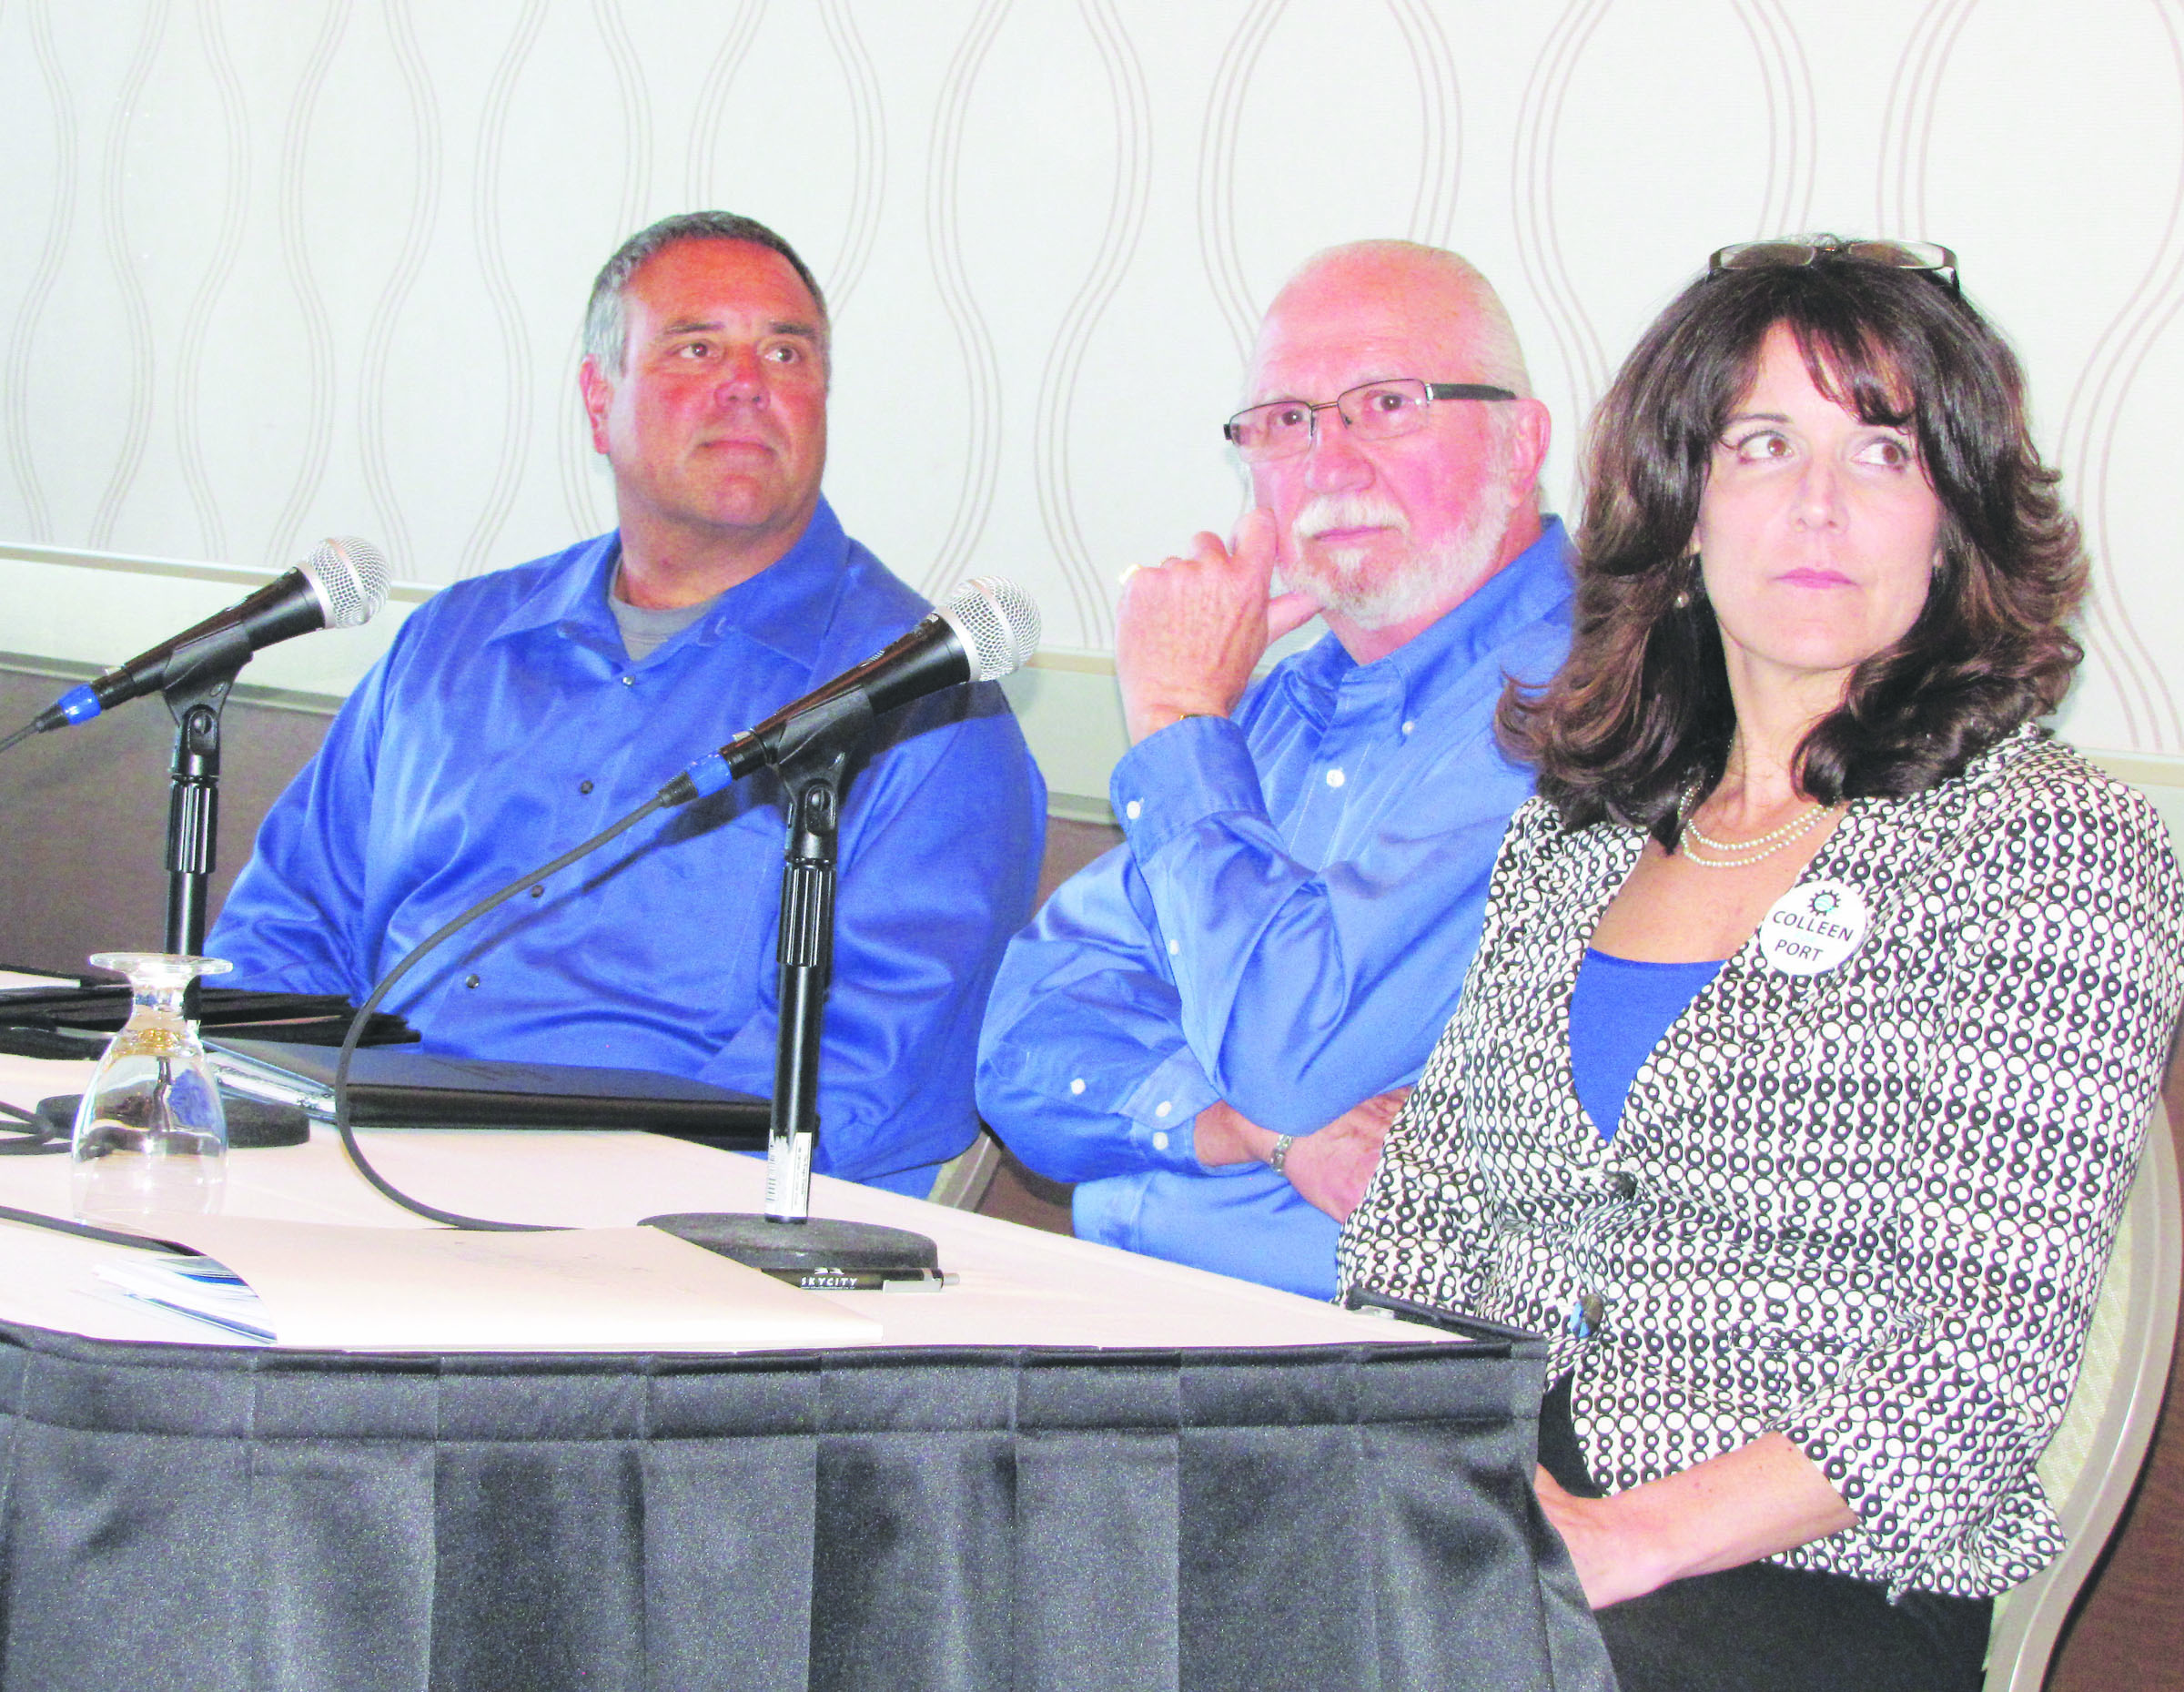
519,713
1210,1028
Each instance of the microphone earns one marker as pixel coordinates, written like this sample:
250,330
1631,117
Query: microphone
986,629
341,584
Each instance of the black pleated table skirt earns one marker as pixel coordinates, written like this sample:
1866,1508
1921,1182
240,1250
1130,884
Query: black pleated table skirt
1324,1517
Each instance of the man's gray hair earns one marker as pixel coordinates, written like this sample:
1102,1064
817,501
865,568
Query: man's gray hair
606,324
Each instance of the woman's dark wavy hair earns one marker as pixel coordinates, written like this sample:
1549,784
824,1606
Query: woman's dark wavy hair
1641,710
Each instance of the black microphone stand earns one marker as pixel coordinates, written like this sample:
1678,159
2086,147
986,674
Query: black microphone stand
788,1241
194,685
195,681
805,952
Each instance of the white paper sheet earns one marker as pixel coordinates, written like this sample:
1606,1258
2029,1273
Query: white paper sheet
440,1289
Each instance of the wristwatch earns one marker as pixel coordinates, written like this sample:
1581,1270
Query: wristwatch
1277,1159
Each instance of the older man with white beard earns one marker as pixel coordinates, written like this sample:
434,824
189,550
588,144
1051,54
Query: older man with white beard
1211,1027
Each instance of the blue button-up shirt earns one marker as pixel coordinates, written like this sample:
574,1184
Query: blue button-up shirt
1286,928
507,724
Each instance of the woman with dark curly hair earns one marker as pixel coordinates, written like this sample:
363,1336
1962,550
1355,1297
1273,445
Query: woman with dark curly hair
1803,1067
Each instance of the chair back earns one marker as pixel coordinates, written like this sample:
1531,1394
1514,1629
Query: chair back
2092,1463
963,1179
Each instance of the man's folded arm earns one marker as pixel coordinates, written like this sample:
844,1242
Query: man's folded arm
1304,991
1082,1045
1076,1086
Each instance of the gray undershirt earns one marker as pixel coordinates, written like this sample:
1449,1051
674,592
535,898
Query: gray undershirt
644,632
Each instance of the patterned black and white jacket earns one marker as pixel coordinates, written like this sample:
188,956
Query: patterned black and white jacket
1869,1207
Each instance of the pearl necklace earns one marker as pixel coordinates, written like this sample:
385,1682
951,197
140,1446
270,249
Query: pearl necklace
1748,852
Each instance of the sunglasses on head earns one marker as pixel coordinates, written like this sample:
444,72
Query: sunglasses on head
1927,257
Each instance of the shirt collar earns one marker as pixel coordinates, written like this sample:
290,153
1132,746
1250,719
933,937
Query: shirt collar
1533,587
786,607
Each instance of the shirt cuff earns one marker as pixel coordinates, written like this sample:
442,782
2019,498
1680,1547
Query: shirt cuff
1170,782
1163,1110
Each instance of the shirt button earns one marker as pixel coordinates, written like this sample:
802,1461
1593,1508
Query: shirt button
1159,1142
1623,1184
469,980
583,786
628,681
1077,1086
1163,1108
1133,810
1408,727
1335,778
1175,948
538,892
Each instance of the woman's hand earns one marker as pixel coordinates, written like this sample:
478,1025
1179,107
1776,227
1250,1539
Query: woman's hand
1613,1560
1747,1503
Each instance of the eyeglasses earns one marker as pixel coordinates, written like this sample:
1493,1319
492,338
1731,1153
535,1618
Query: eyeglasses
1921,256
1376,411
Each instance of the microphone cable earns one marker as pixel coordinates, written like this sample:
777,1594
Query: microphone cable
665,799
992,621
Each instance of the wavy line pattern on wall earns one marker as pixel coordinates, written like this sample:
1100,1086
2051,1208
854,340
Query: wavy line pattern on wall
868,179
1065,362
45,273
712,105
128,285
1908,123
569,441
636,110
982,374
373,399
191,425
1440,125
1793,123
1533,194
231,242
295,250
2086,449
1217,166
517,400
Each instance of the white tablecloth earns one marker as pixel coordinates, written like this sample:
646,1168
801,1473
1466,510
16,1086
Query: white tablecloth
1016,1285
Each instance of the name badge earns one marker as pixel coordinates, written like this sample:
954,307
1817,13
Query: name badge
1814,927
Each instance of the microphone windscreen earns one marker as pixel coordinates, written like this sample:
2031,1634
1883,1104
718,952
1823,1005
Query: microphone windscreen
349,577
998,624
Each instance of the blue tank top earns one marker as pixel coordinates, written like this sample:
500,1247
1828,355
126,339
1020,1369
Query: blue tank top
1618,1011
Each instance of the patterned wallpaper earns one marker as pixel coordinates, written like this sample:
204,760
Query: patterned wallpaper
271,270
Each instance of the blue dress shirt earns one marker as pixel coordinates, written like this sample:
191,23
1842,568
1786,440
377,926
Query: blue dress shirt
1286,928
507,724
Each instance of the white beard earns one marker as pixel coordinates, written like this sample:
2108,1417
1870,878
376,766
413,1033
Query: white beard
1345,580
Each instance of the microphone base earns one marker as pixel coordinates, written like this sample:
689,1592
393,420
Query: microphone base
823,1253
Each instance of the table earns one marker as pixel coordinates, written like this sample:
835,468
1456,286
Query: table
1074,1468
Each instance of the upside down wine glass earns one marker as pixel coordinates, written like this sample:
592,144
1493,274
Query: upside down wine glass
150,1133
